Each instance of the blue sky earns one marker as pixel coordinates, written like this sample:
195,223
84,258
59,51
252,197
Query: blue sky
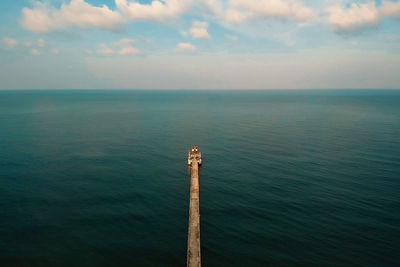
199,44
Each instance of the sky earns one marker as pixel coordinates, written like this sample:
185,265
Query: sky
199,44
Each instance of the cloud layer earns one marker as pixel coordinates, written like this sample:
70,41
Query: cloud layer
203,43
360,16
43,18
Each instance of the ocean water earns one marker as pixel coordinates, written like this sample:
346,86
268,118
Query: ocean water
99,178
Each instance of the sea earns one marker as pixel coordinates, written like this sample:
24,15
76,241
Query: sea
289,177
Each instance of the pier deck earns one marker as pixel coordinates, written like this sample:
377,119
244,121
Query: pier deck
193,251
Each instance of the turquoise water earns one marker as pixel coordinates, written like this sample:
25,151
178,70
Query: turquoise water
99,178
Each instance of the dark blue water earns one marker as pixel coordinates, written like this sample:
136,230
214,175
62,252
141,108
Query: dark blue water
99,178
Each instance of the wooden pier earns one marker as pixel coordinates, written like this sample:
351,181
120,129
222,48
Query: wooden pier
193,250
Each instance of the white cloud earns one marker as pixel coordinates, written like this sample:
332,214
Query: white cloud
28,44
156,11
41,43
35,52
124,43
390,9
82,14
126,51
199,30
124,47
360,16
55,51
244,10
185,47
352,18
43,18
10,43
